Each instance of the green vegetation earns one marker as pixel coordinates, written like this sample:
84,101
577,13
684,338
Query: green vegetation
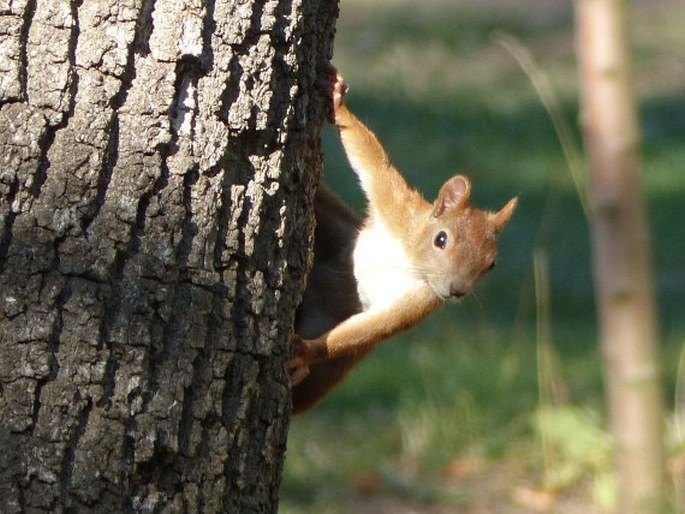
474,407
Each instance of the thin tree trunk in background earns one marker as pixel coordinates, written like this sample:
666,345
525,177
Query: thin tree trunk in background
157,162
622,254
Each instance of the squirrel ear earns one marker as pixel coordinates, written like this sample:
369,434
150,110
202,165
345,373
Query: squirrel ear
500,218
454,194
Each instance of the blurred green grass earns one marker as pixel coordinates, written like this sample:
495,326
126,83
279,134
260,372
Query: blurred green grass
444,97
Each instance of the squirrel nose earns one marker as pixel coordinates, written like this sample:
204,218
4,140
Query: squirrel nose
456,293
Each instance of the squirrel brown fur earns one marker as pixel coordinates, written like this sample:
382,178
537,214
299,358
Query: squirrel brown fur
376,277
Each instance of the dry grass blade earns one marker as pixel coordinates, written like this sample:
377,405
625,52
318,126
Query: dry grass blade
549,99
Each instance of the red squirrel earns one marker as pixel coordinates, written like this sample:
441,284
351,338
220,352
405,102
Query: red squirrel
376,277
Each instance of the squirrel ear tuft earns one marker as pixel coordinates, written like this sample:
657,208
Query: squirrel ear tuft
501,217
454,194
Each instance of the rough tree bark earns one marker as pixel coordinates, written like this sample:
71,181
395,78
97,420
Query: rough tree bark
157,160
622,267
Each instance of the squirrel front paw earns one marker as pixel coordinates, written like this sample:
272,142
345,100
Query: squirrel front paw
298,367
335,88
306,352
339,91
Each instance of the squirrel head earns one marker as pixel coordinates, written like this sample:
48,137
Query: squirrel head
457,244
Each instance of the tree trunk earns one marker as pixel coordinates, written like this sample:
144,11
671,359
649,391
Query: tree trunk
622,264
157,162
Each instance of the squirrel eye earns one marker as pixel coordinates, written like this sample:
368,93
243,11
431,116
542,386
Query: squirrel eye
440,239
492,265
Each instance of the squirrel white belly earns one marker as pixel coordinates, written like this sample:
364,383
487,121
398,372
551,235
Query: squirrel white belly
376,277
382,268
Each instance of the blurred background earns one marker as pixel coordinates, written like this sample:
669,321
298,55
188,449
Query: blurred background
494,404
